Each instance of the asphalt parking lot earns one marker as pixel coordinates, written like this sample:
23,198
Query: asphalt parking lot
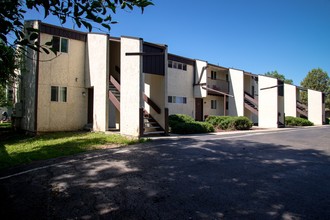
280,174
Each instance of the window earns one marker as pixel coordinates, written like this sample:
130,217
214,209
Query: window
170,64
177,99
213,104
227,105
213,75
58,94
177,65
60,44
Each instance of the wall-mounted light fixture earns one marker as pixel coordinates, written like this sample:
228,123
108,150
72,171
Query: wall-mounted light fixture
83,93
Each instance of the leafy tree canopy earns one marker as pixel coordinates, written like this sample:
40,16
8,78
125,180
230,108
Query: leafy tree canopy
279,76
317,79
7,64
83,13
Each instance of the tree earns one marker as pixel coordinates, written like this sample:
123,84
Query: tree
279,76
4,102
7,64
84,13
317,79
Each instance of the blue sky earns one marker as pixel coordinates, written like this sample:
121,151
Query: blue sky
290,36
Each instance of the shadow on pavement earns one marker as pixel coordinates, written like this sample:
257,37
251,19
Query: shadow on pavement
176,179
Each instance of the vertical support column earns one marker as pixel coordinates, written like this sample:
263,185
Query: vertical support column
166,127
290,100
236,104
268,102
132,86
316,109
98,77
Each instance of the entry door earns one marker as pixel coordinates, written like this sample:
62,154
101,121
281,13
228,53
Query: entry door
199,109
90,105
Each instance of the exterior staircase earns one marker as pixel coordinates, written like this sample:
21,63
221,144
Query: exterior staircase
251,103
114,92
302,109
151,126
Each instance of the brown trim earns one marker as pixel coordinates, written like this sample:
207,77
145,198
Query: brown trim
115,39
166,121
218,67
115,83
151,103
161,46
145,54
141,122
202,73
62,32
114,100
250,74
216,91
180,59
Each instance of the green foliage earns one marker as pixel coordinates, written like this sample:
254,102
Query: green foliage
295,121
279,76
216,120
327,121
7,65
25,149
184,124
316,79
80,12
230,122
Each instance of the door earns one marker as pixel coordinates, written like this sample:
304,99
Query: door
90,106
199,109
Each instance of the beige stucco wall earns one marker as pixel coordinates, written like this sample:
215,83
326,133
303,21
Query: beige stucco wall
268,102
97,75
290,101
316,111
198,91
156,92
132,86
180,83
236,89
66,70
28,79
207,106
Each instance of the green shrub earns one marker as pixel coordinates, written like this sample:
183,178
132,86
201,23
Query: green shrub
216,120
230,122
184,124
242,123
180,118
296,121
327,121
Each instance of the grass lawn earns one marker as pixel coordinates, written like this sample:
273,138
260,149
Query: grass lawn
5,125
25,149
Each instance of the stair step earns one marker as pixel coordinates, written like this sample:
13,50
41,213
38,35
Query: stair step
152,127
154,132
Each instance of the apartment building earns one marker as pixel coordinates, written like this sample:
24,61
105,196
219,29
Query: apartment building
130,85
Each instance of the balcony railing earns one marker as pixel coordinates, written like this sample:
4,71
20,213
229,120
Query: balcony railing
218,84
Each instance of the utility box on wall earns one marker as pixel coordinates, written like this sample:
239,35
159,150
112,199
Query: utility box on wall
18,110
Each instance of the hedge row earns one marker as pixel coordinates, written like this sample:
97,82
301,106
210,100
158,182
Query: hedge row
184,124
295,121
230,122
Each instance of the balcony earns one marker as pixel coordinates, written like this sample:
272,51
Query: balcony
217,84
